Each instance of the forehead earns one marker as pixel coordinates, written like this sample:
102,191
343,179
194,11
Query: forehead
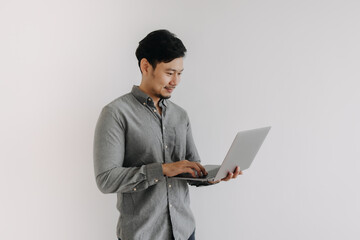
175,65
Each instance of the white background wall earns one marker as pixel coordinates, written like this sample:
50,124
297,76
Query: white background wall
293,65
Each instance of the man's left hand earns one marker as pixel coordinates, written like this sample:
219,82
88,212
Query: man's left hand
230,175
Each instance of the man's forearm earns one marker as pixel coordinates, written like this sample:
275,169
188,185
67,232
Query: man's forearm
121,179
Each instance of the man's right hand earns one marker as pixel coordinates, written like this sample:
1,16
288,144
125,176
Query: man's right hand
183,166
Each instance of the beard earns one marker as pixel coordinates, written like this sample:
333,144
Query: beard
159,95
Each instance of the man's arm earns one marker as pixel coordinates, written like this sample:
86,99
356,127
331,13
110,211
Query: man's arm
109,150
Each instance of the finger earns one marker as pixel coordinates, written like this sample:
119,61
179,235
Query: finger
228,177
189,167
195,166
236,172
202,169
213,182
191,171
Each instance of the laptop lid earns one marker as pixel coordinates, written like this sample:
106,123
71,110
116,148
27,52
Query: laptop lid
241,153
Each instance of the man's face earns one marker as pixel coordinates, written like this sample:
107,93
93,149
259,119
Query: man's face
164,78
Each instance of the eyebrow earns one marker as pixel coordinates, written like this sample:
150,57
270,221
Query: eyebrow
174,70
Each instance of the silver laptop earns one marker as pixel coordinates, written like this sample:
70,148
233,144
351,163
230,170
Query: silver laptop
241,153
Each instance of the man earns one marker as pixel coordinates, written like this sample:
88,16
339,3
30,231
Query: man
142,139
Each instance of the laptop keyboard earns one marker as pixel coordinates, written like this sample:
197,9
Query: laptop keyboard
211,174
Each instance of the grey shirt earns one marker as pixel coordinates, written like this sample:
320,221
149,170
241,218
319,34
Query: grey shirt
131,142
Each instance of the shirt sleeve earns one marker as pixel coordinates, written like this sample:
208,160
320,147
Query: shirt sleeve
109,151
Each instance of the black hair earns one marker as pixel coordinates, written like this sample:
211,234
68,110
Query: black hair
160,46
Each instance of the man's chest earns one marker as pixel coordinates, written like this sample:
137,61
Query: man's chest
148,136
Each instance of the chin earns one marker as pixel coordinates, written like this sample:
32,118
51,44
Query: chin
166,97
163,96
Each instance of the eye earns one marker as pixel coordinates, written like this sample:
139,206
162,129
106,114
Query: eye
169,73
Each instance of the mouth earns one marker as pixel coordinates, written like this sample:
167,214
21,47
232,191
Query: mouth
169,89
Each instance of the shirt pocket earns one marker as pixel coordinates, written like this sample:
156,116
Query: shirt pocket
177,142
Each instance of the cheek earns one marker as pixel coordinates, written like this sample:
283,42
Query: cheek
164,81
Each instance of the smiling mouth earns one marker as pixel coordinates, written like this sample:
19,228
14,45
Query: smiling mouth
170,89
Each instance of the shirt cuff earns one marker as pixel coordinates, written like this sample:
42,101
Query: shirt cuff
154,173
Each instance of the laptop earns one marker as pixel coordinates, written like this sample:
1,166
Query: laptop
241,153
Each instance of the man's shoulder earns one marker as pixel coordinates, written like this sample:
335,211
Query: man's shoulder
176,107
120,103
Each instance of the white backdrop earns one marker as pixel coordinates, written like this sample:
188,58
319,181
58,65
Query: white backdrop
293,65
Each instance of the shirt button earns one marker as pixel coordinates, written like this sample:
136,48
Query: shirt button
169,185
170,205
164,128
165,146
134,189
156,180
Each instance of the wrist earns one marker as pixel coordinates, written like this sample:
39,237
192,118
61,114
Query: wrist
164,169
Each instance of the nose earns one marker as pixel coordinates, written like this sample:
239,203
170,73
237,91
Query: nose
175,80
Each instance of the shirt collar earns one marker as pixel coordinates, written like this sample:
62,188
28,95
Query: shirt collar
163,102
143,98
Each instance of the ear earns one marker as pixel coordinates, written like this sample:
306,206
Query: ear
145,66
